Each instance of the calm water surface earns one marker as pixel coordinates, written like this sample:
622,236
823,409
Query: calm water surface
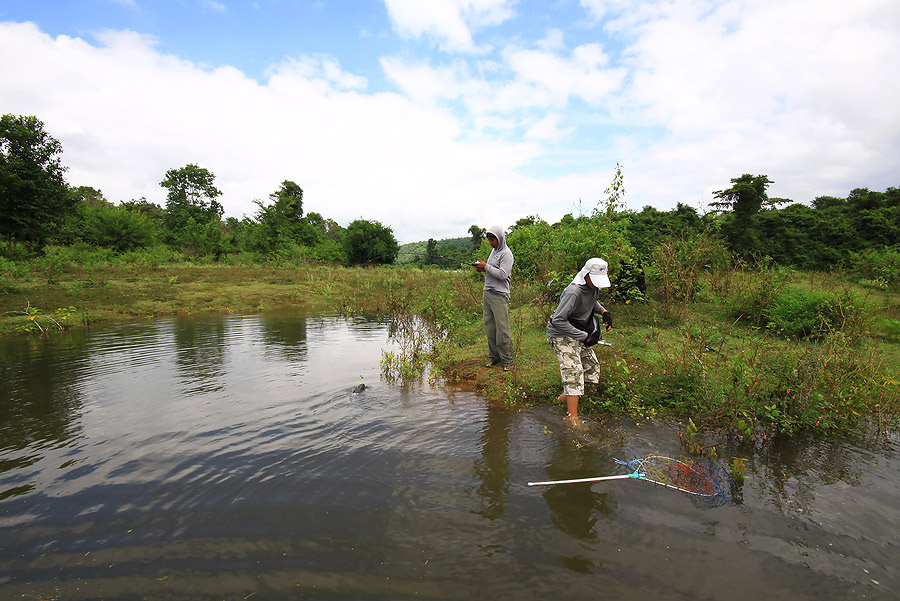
225,458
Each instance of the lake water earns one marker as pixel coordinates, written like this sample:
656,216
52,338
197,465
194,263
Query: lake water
226,458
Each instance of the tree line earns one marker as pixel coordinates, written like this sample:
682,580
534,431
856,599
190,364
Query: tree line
861,231
39,208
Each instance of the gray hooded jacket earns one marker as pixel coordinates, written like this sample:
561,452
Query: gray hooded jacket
499,266
578,301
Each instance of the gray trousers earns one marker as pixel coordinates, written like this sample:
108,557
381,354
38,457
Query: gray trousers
495,315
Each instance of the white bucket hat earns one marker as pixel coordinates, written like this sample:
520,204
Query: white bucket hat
598,269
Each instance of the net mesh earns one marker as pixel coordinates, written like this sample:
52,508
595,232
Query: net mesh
696,477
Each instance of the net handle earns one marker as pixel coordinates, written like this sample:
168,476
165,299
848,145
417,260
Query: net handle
577,480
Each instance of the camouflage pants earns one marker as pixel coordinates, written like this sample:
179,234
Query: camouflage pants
577,364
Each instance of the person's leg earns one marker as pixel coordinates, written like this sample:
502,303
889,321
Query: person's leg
504,332
572,410
488,319
590,365
568,352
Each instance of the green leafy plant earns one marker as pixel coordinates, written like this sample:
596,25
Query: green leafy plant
801,313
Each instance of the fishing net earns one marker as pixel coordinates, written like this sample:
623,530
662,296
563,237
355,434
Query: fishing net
707,481
696,477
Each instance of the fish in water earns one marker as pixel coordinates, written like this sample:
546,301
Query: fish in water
359,387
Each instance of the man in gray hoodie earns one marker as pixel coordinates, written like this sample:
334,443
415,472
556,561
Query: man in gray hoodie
573,330
495,309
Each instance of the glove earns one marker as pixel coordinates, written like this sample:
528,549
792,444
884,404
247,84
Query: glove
592,339
607,320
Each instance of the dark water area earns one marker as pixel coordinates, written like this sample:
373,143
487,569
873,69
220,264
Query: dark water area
226,458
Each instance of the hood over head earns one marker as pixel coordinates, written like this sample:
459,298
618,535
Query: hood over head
497,232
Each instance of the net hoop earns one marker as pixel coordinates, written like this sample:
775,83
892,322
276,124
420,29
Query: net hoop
699,478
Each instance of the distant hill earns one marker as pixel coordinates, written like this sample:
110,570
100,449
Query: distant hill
449,252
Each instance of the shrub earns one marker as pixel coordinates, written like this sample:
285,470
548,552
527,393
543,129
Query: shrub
879,265
889,329
118,228
678,266
152,257
753,289
801,313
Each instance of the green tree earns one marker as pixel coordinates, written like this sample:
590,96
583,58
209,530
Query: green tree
152,210
478,234
281,223
430,257
650,227
613,202
191,192
89,195
290,196
746,196
370,242
545,252
34,197
117,227
192,216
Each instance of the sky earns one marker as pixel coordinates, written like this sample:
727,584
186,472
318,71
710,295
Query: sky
430,116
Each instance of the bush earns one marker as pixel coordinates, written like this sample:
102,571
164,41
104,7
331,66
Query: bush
679,264
152,257
118,228
84,255
541,249
801,313
889,329
753,289
879,265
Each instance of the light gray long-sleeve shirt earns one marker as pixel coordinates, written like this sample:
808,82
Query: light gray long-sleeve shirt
498,270
578,303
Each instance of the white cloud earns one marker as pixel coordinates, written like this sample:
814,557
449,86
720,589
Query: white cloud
686,94
130,113
214,6
794,90
449,22
525,80
554,42
556,79
548,129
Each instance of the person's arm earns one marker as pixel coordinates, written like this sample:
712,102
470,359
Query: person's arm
604,315
505,268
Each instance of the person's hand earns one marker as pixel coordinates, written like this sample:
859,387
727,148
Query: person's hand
607,320
592,339
479,265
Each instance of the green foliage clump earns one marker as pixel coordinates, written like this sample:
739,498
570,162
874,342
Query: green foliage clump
878,265
152,257
370,242
118,228
679,265
802,313
34,197
562,249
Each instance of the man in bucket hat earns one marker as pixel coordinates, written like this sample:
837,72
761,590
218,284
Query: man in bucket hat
573,329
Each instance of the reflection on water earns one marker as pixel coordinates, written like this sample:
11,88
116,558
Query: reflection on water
225,458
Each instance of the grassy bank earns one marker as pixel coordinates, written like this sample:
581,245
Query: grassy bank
74,295
749,354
